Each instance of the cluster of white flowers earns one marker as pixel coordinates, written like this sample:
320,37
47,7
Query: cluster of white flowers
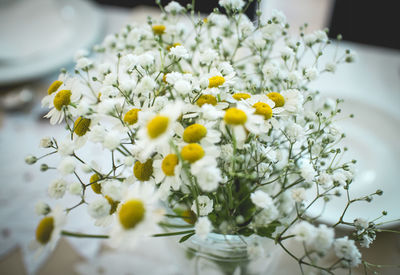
211,118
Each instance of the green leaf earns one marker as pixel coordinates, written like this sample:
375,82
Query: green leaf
184,238
268,230
246,231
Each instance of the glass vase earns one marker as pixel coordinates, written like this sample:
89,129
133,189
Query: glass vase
222,255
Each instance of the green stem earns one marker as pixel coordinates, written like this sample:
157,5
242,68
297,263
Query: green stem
81,235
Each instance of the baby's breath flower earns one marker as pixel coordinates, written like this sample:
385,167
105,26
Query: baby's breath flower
57,188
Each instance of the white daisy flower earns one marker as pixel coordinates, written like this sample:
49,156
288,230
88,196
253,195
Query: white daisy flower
48,231
137,216
157,129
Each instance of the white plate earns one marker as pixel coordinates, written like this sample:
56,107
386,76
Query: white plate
372,137
41,36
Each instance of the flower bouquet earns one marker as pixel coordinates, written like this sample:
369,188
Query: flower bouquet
205,129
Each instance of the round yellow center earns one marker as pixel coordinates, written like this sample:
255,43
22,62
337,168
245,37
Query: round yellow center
143,171
113,204
194,133
263,109
235,116
62,98
54,87
215,81
192,152
240,96
81,126
173,46
206,99
44,230
94,182
168,164
131,117
205,19
131,213
158,29
277,98
157,126
189,216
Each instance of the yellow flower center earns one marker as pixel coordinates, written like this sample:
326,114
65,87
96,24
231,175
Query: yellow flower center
189,216
143,171
194,133
168,164
113,204
62,98
44,230
206,99
239,96
158,29
94,182
81,126
131,213
54,87
235,116
131,117
277,98
173,46
192,152
205,19
157,126
263,109
215,81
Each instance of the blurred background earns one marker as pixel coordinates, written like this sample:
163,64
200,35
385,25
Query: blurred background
38,37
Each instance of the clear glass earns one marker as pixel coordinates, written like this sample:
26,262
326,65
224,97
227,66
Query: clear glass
221,255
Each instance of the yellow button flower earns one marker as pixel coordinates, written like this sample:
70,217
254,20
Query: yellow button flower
44,230
131,213
81,126
94,182
62,98
215,81
143,171
54,87
168,164
277,98
235,116
192,152
189,216
113,204
131,117
263,109
206,99
239,96
194,133
157,126
158,29
173,45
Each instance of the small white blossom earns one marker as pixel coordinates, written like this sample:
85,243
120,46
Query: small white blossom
308,172
304,232
299,194
99,208
346,249
57,188
67,165
203,227
42,208
205,206
261,199
179,52
174,7
46,142
112,140
75,188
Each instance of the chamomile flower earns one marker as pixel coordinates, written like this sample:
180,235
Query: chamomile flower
167,172
48,231
157,129
136,217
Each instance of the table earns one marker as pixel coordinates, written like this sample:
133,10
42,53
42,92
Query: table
153,257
